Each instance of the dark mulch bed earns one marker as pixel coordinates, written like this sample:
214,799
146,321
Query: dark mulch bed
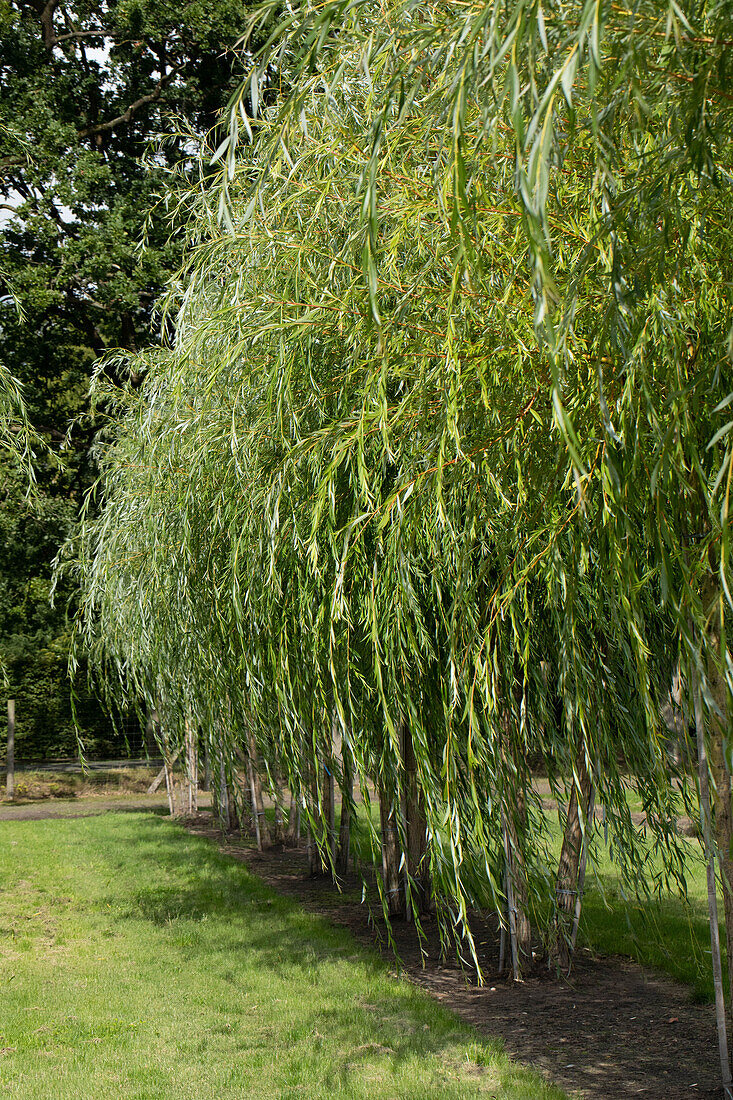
612,1030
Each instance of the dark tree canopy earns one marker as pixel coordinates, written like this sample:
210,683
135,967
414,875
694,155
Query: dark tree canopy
86,91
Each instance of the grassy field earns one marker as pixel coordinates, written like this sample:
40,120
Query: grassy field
137,962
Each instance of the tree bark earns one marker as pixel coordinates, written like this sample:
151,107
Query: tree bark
347,794
278,832
514,813
253,800
206,785
170,785
518,881
719,727
222,797
192,767
707,833
293,832
258,806
416,827
390,852
10,756
567,883
330,784
317,858
581,873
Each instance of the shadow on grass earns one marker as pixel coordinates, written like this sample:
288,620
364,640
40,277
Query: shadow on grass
337,997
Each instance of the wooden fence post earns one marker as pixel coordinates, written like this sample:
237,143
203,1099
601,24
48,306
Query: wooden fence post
10,766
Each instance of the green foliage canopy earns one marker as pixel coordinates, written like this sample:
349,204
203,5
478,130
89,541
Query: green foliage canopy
441,435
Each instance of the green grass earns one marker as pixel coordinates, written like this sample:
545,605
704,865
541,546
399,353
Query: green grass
670,933
138,962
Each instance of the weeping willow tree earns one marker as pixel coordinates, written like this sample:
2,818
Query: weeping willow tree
643,94
436,455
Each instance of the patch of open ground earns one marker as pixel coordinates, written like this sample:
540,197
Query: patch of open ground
90,806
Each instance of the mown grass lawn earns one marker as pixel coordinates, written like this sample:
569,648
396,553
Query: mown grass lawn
137,962
669,933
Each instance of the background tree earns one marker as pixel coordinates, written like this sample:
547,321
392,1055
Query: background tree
83,91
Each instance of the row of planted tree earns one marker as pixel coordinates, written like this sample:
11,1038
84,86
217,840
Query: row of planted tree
433,459
328,806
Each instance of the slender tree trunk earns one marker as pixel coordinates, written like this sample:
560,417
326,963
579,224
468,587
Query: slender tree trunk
509,879
170,785
518,881
223,796
330,784
707,832
323,848
227,796
416,827
152,733
10,757
581,874
206,785
192,767
347,794
317,858
390,852
253,798
278,832
719,726
505,919
514,813
567,884
235,802
258,805
723,824
293,832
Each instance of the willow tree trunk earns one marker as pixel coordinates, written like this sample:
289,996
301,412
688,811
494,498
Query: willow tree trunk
329,781
709,849
347,794
416,828
278,831
191,768
723,838
391,855
317,844
293,831
262,831
10,757
170,784
567,883
206,785
719,729
514,816
221,797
